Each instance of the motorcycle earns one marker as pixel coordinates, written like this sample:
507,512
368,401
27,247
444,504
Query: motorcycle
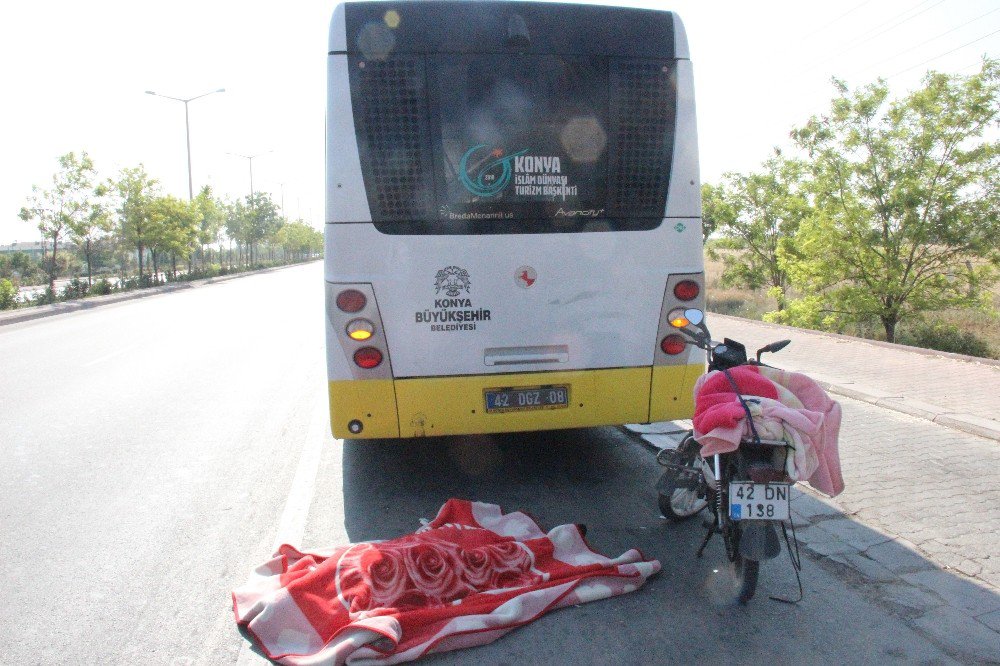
748,491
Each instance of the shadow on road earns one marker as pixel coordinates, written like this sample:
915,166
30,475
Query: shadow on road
387,483
603,479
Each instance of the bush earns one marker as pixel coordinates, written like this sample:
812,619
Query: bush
100,288
738,303
8,295
76,288
127,284
944,337
44,297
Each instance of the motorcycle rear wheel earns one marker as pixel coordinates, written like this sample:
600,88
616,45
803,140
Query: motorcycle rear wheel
747,573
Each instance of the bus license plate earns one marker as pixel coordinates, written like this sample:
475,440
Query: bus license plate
759,501
520,399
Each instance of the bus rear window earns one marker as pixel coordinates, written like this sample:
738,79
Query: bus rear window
511,143
520,137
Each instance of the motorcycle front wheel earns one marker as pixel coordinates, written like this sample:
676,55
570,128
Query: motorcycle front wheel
683,503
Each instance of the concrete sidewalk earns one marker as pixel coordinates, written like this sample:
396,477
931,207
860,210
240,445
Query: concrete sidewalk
958,392
29,313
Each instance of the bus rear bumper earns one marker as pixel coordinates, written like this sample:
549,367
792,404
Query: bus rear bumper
431,406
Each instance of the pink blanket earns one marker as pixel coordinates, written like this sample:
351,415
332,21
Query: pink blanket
784,405
466,578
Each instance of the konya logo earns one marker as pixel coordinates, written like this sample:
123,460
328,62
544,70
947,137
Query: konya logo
491,172
452,280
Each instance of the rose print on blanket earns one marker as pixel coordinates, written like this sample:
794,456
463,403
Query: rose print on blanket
434,571
417,572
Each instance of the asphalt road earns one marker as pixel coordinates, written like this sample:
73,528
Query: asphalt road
153,452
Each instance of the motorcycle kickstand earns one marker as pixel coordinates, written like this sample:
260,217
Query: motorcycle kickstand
708,537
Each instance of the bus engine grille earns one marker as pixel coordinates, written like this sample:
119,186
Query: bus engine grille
643,107
390,101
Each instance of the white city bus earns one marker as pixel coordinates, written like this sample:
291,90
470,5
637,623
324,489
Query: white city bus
513,209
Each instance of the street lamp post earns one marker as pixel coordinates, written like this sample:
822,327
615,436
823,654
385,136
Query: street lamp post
250,158
187,127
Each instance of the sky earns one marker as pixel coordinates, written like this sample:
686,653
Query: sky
75,76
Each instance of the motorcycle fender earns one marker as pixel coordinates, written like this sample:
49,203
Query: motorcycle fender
666,486
759,540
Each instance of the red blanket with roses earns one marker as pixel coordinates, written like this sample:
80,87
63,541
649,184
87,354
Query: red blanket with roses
466,578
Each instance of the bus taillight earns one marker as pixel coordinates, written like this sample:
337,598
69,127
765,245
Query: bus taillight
360,329
351,300
687,290
673,344
368,358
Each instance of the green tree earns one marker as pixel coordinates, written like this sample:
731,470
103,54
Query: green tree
135,190
759,213
906,194
91,227
235,224
68,203
173,229
8,294
712,209
261,221
21,268
211,217
299,240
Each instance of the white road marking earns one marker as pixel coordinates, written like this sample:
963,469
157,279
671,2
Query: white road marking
292,525
101,359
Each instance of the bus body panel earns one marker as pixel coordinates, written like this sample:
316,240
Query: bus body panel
684,193
681,50
346,200
671,393
338,29
371,402
604,312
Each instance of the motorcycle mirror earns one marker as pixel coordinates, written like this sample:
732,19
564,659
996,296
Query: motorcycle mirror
777,346
773,347
694,316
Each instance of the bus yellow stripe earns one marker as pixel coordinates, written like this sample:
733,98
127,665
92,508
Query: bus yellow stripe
370,401
430,406
672,391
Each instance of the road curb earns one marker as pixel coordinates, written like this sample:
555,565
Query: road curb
875,343
968,423
41,311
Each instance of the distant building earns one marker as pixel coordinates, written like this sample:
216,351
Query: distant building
33,248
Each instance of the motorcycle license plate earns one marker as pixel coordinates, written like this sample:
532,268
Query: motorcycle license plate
759,501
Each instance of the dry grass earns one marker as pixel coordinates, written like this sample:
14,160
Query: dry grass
731,300
754,304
